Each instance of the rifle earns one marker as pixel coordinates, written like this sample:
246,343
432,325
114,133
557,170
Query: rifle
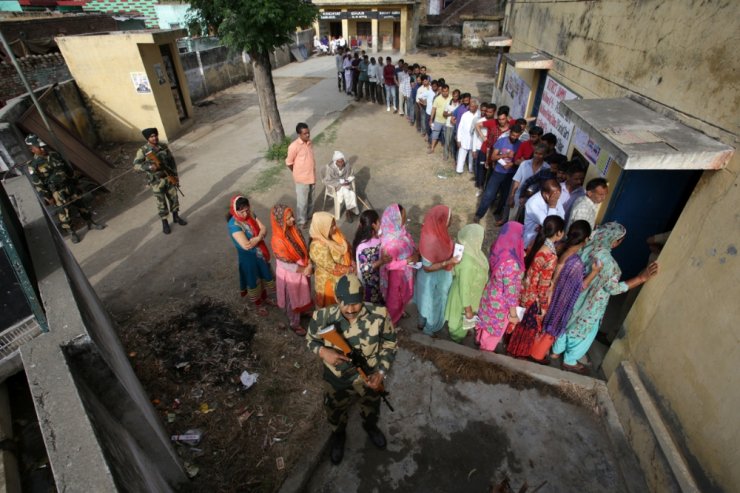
152,156
331,334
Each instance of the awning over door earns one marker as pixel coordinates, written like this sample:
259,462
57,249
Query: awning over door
532,60
640,138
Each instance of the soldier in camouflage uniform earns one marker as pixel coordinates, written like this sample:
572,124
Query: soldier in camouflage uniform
161,176
368,328
55,182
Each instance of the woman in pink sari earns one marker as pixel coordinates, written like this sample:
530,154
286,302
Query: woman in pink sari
501,296
397,276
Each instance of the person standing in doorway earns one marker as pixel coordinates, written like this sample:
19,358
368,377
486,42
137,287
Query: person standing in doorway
156,160
301,162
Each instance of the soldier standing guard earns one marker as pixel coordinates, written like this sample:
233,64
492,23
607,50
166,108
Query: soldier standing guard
368,329
156,160
55,182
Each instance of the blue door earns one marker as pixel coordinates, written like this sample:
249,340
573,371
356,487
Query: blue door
647,202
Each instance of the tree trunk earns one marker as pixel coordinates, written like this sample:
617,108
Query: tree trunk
263,84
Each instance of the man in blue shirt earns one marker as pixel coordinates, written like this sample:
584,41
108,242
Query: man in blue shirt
503,157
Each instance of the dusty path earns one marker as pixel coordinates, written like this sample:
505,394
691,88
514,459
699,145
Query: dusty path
145,277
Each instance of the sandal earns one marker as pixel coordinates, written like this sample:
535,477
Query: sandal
298,330
577,368
262,311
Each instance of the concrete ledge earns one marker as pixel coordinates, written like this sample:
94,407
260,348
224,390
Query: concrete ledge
544,374
664,466
302,472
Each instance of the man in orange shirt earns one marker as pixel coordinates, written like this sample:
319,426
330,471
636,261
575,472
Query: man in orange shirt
301,162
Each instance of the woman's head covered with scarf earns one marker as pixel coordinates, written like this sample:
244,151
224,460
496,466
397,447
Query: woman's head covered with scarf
287,242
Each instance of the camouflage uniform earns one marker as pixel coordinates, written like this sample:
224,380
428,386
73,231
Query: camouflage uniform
373,334
163,190
54,180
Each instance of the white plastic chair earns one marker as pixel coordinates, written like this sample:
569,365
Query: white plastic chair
330,191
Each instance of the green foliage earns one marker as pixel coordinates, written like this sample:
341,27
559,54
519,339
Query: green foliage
267,178
256,26
279,151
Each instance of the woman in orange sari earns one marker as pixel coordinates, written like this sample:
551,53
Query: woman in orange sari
331,256
292,267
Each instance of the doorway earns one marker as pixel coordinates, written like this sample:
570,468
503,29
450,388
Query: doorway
169,66
335,29
396,35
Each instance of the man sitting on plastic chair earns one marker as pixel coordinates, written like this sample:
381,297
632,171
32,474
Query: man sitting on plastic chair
339,182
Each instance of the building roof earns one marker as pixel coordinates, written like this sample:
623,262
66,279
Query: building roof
641,138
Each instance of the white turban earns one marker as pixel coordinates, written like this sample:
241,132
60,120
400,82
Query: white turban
337,156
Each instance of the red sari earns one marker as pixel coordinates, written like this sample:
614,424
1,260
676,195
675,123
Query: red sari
535,300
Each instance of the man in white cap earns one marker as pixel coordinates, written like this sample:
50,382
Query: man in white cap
339,176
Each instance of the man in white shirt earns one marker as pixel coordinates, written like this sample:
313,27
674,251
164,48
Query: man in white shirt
424,96
539,206
465,130
587,207
572,187
526,170
449,126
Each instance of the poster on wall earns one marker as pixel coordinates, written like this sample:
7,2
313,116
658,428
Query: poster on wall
141,82
592,151
515,94
550,118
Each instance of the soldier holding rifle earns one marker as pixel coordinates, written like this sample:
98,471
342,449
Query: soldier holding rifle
357,343
156,160
57,186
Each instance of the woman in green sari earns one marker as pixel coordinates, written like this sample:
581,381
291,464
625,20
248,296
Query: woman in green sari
469,280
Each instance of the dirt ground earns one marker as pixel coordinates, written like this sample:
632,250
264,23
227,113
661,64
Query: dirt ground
252,437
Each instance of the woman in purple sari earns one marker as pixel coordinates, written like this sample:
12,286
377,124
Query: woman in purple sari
569,280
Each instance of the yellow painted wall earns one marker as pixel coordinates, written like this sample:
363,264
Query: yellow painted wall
101,66
681,332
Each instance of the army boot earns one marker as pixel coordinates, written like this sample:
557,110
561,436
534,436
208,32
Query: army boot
74,237
336,446
178,220
93,225
376,436
165,227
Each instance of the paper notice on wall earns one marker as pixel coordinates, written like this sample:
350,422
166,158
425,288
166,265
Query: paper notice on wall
580,140
549,116
516,93
141,83
604,162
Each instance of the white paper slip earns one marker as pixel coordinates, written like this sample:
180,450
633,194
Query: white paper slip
417,265
459,249
520,312
350,179
502,162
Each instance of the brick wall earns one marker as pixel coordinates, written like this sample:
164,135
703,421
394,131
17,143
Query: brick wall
40,70
40,26
144,7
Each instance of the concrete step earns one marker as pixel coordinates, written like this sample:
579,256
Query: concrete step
663,464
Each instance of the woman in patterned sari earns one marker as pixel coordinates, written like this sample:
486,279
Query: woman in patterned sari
369,257
535,298
397,276
501,295
248,235
591,304
331,256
